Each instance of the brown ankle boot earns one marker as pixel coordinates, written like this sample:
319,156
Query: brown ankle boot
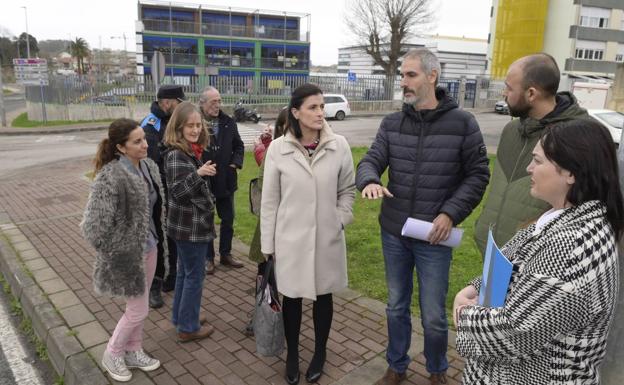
229,260
438,378
203,332
391,378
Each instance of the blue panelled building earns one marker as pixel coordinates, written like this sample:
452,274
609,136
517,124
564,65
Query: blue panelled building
200,42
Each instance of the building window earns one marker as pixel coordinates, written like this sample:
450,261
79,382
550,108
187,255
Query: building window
279,56
594,22
344,63
589,50
176,50
344,56
214,23
226,53
158,19
619,57
589,54
242,54
595,17
278,28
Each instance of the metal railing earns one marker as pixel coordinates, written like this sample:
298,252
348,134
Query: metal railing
257,31
91,89
266,88
226,60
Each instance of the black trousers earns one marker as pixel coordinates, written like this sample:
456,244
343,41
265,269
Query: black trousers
322,314
173,260
225,211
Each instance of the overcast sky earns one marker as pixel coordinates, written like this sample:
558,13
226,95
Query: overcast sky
92,19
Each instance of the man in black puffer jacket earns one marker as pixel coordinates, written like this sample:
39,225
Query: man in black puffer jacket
438,172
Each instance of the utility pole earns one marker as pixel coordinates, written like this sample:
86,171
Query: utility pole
125,51
27,35
2,109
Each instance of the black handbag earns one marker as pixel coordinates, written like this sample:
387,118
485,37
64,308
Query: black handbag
255,196
268,324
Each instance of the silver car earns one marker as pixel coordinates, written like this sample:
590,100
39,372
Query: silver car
612,120
501,107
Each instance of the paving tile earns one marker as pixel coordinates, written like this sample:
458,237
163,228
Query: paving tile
50,243
91,334
64,299
53,286
76,315
44,275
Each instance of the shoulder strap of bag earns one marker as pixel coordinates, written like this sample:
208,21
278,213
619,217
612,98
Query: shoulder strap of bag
269,279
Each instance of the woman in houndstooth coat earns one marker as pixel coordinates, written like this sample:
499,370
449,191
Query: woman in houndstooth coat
562,295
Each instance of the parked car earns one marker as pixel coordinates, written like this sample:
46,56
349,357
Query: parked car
613,120
108,100
336,106
501,107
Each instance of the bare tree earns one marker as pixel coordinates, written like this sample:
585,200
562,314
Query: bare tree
382,27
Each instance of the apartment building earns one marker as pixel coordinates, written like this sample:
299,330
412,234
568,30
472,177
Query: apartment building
586,37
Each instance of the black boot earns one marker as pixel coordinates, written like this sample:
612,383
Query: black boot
170,281
322,314
155,295
291,308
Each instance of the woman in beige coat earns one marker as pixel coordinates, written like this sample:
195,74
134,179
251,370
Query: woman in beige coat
307,197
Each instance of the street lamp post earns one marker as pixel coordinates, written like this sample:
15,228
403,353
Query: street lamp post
27,35
125,51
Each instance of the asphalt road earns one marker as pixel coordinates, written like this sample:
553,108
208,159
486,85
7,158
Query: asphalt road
362,131
19,365
17,152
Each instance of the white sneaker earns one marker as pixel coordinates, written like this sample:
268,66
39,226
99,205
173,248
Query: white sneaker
140,360
116,367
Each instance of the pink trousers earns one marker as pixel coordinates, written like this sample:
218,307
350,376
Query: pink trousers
128,334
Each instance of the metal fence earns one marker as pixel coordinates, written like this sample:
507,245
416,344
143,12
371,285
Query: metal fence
265,89
261,89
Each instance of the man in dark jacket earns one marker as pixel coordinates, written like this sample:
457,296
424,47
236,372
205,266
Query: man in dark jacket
154,125
438,171
531,94
227,151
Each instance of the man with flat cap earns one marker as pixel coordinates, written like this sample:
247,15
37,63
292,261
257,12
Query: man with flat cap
154,125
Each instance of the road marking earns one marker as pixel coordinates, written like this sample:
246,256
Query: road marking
56,138
20,363
249,132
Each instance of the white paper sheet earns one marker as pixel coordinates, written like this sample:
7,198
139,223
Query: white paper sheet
419,229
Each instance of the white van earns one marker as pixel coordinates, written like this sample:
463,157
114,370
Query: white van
336,106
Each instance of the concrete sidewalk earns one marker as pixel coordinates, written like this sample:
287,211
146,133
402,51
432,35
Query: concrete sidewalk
48,266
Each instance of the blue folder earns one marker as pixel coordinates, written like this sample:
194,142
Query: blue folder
496,276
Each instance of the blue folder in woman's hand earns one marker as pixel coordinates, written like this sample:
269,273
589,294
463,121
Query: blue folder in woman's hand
496,276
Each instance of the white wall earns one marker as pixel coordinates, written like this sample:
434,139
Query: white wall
561,15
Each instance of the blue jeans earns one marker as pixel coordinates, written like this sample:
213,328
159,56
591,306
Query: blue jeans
189,285
432,264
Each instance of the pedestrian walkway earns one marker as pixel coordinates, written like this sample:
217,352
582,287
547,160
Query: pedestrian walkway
40,212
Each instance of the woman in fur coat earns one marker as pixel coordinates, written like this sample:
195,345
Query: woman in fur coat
190,218
123,221
562,293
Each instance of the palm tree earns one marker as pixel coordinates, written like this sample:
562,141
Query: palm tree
80,49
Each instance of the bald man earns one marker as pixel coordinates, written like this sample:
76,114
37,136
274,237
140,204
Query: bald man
531,94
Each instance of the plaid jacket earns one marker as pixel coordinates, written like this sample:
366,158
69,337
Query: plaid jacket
191,204
559,307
